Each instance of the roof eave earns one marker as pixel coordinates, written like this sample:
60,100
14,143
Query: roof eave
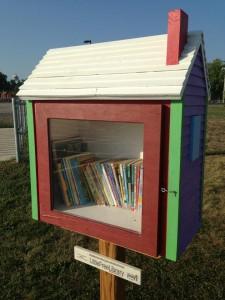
103,97
201,47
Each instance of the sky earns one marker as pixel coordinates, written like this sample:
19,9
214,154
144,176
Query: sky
28,28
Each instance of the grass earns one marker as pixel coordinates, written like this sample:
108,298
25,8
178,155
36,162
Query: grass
215,144
36,259
216,112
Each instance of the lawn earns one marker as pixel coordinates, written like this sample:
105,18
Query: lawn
216,130
216,111
36,260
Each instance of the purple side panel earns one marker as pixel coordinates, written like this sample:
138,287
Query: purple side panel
191,171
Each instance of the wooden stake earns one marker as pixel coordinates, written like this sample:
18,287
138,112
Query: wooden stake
111,287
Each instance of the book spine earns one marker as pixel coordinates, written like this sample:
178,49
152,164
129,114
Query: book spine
92,184
112,182
120,176
132,185
137,185
72,182
65,175
63,186
140,187
108,184
125,184
97,184
117,186
84,180
128,184
83,196
104,185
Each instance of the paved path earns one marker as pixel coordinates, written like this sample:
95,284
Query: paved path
7,144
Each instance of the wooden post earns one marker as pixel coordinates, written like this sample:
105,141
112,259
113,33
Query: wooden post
111,287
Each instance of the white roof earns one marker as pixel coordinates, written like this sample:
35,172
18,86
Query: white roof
126,69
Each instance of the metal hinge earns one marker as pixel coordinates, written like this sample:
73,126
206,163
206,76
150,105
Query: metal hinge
164,190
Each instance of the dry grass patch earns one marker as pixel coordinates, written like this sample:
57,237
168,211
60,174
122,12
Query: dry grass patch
215,142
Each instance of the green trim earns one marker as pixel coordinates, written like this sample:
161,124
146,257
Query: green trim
174,173
32,156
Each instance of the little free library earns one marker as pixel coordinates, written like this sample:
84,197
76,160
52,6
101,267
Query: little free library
116,139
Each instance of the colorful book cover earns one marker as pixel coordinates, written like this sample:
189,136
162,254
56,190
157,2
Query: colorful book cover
124,177
132,183
74,177
71,182
108,184
137,171
116,180
128,176
83,179
81,186
111,179
69,190
92,184
137,179
104,184
63,186
140,193
98,184
119,172
89,182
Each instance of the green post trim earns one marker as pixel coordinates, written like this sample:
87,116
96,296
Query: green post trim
174,173
32,157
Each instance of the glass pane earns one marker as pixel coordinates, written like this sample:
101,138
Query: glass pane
97,170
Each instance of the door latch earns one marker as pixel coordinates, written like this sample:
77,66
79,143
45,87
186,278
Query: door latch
164,190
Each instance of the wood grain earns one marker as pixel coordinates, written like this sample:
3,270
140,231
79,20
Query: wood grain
111,287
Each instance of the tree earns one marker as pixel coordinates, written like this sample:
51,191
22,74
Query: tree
14,85
4,85
11,86
216,71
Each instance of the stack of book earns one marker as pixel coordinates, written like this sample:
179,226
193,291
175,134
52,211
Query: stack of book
86,180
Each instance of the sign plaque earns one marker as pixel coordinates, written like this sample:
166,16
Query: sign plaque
107,264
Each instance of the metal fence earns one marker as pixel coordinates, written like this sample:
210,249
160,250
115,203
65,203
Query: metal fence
20,128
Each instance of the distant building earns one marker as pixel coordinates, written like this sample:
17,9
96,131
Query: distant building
6,96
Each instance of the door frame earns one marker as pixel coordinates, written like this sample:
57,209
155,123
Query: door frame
148,113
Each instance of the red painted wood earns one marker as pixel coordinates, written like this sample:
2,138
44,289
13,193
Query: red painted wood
177,35
150,115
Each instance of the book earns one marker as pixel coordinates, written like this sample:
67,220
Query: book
63,186
109,187
70,181
111,180
91,183
84,179
140,190
108,197
75,182
80,184
65,147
